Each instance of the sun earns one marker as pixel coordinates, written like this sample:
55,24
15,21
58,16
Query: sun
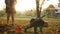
23,5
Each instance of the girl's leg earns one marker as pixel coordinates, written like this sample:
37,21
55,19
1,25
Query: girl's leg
35,30
12,16
41,29
8,16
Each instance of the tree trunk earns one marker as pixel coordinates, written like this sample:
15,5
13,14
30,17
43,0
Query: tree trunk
37,9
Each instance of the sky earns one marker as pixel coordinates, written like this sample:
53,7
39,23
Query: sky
23,5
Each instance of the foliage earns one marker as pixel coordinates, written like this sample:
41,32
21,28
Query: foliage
50,11
30,13
2,13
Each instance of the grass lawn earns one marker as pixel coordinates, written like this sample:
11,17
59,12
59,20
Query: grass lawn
53,24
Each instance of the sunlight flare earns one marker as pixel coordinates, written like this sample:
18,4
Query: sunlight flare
23,5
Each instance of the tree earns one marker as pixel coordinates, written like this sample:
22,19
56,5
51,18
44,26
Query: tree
2,13
50,10
18,13
37,8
